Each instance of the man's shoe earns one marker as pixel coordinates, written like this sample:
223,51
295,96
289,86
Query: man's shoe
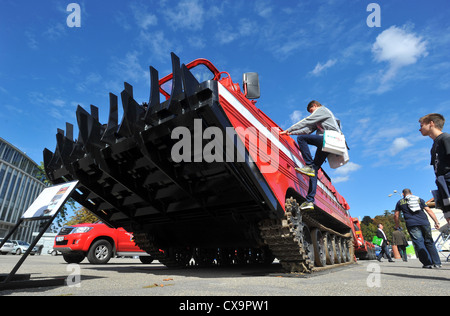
307,206
391,260
437,266
306,170
379,259
428,267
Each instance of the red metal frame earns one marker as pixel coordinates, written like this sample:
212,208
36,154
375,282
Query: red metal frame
192,64
361,245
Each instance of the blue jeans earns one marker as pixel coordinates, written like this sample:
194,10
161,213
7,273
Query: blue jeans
316,163
424,245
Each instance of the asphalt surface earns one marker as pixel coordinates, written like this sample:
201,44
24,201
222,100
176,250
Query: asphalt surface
129,277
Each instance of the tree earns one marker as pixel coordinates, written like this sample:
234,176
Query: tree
369,226
368,230
82,215
367,220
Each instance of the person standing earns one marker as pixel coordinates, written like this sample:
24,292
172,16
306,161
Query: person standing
432,125
399,239
413,209
384,244
321,119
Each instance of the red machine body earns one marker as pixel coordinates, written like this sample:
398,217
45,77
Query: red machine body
364,249
233,199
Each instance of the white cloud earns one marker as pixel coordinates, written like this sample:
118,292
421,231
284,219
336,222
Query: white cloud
342,174
89,82
57,102
141,17
228,34
55,31
398,145
347,168
159,45
129,68
295,116
263,9
187,14
399,48
31,40
319,67
144,20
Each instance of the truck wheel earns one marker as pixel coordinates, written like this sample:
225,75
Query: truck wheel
100,252
319,248
73,258
146,259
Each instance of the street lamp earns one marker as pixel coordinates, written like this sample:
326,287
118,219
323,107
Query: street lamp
394,193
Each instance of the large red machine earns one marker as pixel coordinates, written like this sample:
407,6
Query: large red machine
364,249
202,175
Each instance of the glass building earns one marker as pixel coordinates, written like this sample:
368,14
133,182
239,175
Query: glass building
19,187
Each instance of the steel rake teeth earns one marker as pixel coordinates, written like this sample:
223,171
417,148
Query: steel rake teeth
94,136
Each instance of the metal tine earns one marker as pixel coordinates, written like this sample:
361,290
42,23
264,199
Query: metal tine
191,87
55,162
69,131
177,82
82,125
78,148
90,130
132,112
65,147
154,88
167,108
128,88
154,101
190,83
68,149
48,156
113,121
95,116
94,112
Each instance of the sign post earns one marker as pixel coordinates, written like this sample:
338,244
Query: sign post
46,206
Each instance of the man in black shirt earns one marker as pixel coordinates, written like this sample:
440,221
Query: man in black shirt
431,125
413,209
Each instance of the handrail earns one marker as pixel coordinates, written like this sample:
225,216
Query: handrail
192,64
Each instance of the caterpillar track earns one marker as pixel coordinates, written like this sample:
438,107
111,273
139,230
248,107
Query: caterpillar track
201,178
294,240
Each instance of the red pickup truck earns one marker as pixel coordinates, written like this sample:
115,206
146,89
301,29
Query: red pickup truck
97,242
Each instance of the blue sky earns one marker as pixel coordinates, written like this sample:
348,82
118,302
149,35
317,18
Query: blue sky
378,80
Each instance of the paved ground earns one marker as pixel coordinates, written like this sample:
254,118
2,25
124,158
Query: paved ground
123,277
